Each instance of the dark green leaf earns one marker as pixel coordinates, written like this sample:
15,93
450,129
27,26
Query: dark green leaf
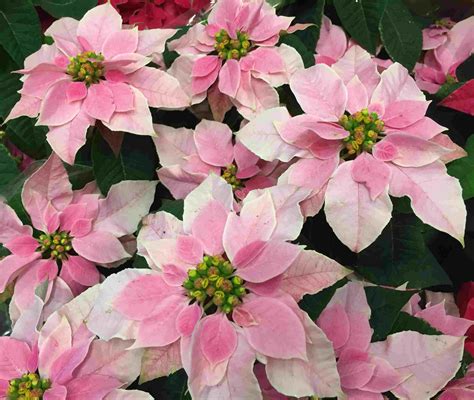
29,138
136,161
175,207
140,262
361,19
466,361
67,8
12,195
463,169
5,323
407,322
79,175
8,167
400,255
20,31
401,36
294,41
385,305
314,304
9,84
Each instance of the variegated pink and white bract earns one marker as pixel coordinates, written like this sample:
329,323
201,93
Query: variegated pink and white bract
448,48
76,364
248,81
119,95
405,159
97,230
218,350
188,156
410,365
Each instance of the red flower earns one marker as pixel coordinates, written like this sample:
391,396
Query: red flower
465,301
151,14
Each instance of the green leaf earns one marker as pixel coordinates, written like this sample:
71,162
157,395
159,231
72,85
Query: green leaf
9,84
30,139
400,255
314,304
385,305
175,207
12,195
79,175
136,161
5,323
140,262
8,167
294,41
463,169
67,8
407,322
401,36
361,19
20,30
466,362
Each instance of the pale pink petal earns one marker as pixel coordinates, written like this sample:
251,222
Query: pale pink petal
261,136
436,316
99,103
400,114
91,387
55,109
120,42
358,97
320,92
50,183
455,152
161,89
127,202
98,24
123,97
27,106
11,224
38,83
67,139
174,145
229,78
384,378
354,368
334,321
435,196
356,219
273,259
153,40
300,378
76,91
160,361
214,143
205,72
371,172
310,273
55,393
82,271
63,31
332,40
187,319
217,338
431,361
122,394
425,128
274,323
178,181
137,121
100,247
22,246
14,356
208,227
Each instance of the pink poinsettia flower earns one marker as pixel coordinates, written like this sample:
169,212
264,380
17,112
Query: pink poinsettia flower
96,71
398,364
187,157
439,64
75,231
225,286
438,315
159,13
437,34
237,53
460,389
65,361
23,160
369,139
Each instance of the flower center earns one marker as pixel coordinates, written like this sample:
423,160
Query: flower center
213,283
230,176
364,128
228,48
445,23
86,67
56,245
28,387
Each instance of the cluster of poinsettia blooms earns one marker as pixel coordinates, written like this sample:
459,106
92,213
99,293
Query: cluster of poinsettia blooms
220,297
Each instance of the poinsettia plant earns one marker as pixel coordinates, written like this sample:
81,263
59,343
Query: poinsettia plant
236,199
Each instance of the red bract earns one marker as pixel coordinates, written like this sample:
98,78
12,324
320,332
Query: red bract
157,13
465,301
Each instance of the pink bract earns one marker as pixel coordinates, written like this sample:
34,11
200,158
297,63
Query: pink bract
256,276
363,138
71,363
78,229
447,51
188,156
248,66
96,71
400,364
